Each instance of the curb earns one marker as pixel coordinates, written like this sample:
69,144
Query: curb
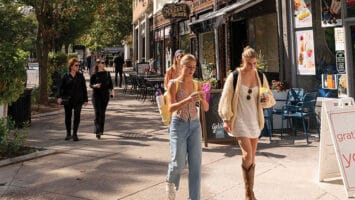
30,156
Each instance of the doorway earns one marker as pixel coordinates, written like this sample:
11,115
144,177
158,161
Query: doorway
239,39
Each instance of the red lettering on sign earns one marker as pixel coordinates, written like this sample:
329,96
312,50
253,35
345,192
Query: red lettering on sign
349,159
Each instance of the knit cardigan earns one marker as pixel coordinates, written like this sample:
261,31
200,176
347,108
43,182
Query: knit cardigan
228,103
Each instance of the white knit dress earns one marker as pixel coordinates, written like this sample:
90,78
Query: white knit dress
247,123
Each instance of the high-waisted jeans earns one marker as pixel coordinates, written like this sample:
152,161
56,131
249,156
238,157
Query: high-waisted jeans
185,145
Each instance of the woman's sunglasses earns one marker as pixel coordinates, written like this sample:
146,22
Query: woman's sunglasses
249,93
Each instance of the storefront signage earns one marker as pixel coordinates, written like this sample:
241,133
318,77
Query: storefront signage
340,61
303,13
176,10
331,13
305,53
339,38
337,142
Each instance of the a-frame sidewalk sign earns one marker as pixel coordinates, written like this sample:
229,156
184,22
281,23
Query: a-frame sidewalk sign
337,143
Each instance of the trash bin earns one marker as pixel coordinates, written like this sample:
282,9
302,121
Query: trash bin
20,110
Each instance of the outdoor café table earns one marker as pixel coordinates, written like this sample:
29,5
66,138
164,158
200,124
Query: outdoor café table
157,81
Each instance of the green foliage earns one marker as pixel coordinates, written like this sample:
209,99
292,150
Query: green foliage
15,28
57,61
262,64
11,138
113,23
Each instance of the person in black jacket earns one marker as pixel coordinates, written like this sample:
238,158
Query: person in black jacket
102,86
72,94
118,61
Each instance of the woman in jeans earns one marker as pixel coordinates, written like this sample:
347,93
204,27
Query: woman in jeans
185,129
72,94
102,86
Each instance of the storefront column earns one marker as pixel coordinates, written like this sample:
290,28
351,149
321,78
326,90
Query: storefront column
140,42
147,39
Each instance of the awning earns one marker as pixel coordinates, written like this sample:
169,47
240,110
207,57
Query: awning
215,19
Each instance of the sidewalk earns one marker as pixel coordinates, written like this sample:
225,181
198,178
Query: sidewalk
130,162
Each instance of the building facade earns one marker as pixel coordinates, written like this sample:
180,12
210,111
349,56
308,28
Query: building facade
299,40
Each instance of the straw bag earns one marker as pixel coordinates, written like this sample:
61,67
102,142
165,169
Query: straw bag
163,105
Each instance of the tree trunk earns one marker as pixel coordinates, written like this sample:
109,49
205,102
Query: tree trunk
42,56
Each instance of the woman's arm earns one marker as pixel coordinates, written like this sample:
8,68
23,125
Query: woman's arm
167,78
225,103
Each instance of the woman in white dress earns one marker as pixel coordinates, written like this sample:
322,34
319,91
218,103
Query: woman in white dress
241,109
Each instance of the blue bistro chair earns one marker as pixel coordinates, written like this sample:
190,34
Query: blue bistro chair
294,96
268,124
303,110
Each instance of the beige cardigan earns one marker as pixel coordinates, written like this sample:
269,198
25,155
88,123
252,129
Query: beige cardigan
229,100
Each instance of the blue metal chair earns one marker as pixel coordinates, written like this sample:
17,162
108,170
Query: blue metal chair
294,96
268,125
303,110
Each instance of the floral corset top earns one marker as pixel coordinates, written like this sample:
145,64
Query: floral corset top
189,111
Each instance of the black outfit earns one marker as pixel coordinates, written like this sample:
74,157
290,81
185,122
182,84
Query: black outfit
118,68
100,98
73,89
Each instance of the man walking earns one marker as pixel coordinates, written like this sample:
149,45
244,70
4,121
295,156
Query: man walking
118,61
91,62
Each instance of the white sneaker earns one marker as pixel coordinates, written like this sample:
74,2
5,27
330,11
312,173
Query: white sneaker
170,189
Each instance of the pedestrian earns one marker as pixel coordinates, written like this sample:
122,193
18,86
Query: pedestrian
101,83
174,71
91,62
72,94
241,109
118,62
185,129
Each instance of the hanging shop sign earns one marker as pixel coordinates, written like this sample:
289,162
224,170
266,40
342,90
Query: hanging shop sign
331,13
176,11
340,61
303,13
305,53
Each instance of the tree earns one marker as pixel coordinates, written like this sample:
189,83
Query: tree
14,34
113,23
58,22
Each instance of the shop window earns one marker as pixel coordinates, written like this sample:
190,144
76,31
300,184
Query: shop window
350,8
185,43
265,42
207,55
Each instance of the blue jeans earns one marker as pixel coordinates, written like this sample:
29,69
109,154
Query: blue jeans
185,145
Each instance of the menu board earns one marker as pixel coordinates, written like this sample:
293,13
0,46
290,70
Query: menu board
305,53
303,13
212,124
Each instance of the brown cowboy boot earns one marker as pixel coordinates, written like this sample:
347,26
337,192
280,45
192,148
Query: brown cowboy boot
251,173
248,176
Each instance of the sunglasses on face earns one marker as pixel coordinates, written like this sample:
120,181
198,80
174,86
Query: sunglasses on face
76,65
249,93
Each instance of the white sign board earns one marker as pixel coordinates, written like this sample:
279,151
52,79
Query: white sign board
338,124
